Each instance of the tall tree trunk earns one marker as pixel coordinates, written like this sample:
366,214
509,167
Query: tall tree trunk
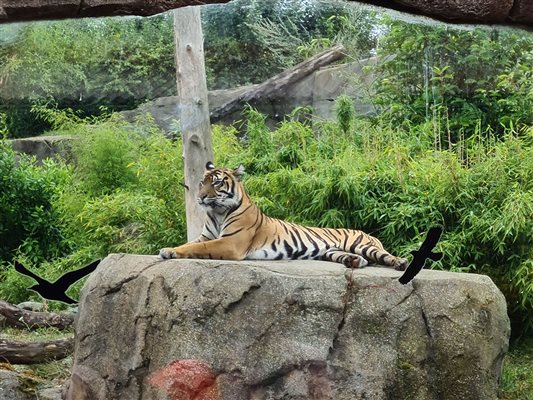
193,110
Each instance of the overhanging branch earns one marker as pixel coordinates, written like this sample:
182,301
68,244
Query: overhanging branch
472,12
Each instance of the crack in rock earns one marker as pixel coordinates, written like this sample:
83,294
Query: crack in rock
317,383
426,322
231,306
262,335
348,294
404,299
422,311
117,287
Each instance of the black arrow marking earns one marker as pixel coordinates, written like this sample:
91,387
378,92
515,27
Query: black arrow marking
421,255
56,290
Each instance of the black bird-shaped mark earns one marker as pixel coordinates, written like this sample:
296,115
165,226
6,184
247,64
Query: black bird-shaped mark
420,255
57,289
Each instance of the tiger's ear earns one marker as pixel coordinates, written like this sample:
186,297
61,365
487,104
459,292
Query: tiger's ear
210,166
238,172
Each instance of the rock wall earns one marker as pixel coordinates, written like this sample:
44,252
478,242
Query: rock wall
10,386
43,147
318,90
191,329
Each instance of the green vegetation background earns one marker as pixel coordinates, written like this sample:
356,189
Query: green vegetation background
450,143
123,194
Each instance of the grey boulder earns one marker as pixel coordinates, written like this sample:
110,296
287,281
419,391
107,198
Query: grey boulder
191,329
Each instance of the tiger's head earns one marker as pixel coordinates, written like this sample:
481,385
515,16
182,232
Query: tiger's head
220,188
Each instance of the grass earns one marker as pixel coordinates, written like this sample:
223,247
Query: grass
35,335
517,377
39,376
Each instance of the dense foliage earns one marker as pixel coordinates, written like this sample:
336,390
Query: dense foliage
29,224
463,81
262,38
118,63
390,182
84,65
120,196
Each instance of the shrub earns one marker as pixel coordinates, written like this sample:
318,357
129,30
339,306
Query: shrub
461,80
389,182
31,228
104,158
393,184
126,196
29,224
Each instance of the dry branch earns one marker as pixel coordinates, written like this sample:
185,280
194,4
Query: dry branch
24,10
16,352
455,11
19,318
274,86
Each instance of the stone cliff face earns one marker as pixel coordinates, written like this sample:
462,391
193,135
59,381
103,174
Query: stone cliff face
190,329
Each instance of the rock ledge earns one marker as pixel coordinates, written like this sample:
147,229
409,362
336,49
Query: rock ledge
285,330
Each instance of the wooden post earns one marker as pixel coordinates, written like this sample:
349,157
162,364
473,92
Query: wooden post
193,110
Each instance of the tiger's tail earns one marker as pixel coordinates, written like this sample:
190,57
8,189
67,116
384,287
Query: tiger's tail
370,248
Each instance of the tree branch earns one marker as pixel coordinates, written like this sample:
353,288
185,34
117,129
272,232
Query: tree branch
20,318
27,10
275,85
16,352
518,12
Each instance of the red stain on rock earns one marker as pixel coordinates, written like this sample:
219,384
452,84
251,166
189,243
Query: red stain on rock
186,380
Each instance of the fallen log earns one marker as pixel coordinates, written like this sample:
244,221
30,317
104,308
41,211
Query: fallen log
19,318
274,86
16,352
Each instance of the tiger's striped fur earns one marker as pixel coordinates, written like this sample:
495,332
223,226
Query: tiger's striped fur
235,229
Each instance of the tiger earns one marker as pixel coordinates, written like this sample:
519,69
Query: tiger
236,229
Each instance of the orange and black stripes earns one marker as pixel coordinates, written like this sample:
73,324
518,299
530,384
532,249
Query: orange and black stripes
236,229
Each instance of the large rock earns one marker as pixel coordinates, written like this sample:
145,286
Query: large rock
10,386
43,147
284,330
166,111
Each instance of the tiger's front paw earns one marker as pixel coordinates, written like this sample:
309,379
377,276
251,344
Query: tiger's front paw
168,252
